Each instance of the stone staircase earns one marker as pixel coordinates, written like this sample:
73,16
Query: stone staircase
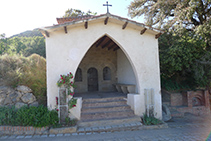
106,111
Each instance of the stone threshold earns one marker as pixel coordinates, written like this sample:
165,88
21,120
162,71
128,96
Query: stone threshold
121,127
48,132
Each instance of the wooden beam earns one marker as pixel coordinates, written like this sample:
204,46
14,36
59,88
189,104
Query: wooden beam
158,35
143,31
47,33
112,46
124,26
86,24
101,40
106,44
65,29
106,20
116,48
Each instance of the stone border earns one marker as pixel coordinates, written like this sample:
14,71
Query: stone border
63,130
146,127
122,127
29,130
20,130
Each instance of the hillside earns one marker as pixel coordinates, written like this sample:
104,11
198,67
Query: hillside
28,33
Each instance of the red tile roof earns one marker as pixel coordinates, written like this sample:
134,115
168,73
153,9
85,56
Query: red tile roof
74,20
71,19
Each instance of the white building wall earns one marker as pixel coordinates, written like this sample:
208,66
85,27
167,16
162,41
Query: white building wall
65,51
125,74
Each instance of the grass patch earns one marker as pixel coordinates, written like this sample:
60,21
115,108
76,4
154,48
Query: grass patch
28,116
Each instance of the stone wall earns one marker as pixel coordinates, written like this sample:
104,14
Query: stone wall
18,97
195,102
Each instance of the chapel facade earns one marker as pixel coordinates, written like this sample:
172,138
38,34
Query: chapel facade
105,53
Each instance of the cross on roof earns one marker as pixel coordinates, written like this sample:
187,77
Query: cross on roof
107,6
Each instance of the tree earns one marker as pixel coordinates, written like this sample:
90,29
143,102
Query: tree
185,50
77,13
178,65
22,45
177,15
3,44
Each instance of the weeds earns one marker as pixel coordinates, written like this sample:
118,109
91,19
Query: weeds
29,71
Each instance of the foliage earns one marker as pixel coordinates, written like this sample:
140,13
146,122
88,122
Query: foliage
68,82
22,45
178,61
29,71
77,13
72,103
177,16
185,50
29,33
3,44
189,14
28,116
8,116
150,120
70,122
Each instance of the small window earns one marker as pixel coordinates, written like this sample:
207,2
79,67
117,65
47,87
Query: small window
106,73
78,76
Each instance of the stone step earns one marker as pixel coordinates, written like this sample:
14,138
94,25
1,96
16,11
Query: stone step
106,115
110,121
103,103
103,99
105,109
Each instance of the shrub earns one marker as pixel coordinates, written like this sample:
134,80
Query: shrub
28,116
30,71
70,122
150,120
8,116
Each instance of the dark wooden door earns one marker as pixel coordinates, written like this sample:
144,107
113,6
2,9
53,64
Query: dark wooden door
92,77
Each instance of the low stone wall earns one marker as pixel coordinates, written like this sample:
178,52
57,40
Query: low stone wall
20,96
195,102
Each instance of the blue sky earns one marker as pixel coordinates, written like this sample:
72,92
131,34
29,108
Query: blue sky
21,15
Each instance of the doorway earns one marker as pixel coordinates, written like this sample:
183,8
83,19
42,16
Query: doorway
92,76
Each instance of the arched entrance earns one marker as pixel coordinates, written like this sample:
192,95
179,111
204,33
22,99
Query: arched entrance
104,65
92,79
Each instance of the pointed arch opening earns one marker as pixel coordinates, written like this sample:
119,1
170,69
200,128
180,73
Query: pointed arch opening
111,63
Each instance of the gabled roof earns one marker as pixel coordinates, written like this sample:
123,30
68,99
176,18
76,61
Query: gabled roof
64,23
71,19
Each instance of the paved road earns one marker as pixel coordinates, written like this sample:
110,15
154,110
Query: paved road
186,129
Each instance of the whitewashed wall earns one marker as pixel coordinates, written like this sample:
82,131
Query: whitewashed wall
125,74
65,51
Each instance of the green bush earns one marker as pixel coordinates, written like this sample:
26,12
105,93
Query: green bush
29,71
28,116
150,120
8,116
70,122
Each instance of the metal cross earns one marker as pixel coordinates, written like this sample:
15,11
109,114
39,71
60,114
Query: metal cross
107,6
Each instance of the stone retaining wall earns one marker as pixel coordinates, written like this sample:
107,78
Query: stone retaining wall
20,96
